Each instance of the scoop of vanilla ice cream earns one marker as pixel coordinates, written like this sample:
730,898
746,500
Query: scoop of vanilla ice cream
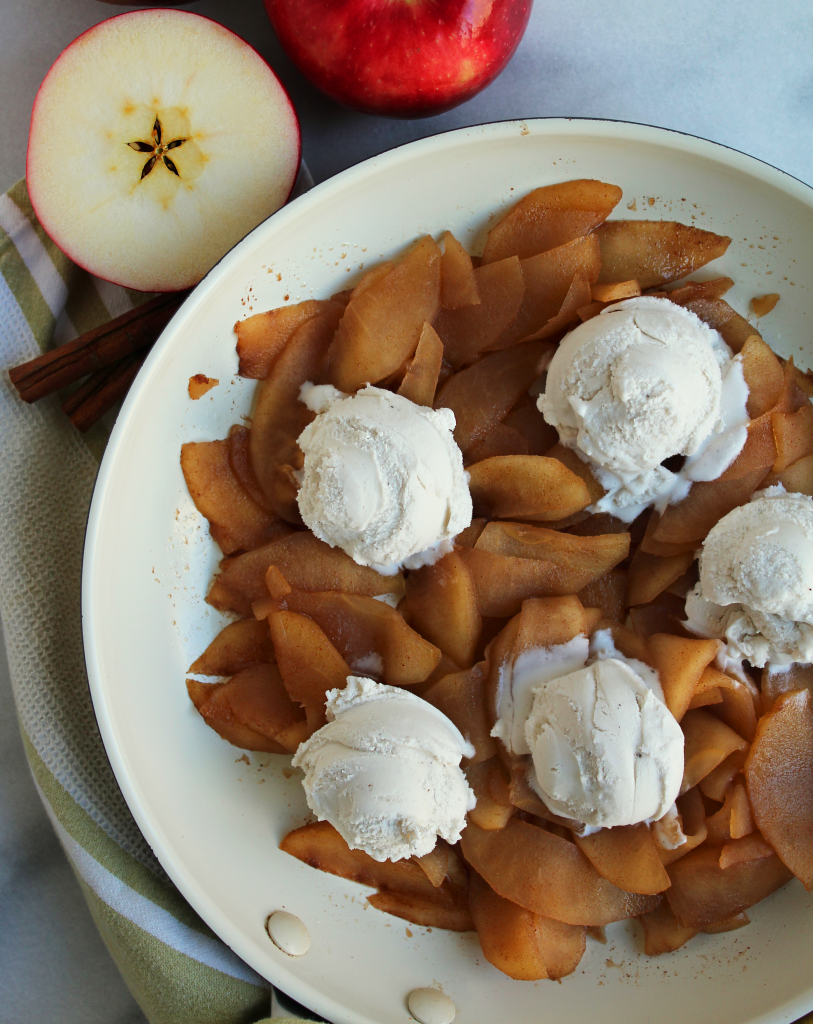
383,478
605,749
756,580
638,384
385,771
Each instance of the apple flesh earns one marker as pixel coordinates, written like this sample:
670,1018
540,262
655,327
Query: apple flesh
158,140
402,58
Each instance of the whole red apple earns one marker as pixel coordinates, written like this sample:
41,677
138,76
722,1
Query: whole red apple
402,58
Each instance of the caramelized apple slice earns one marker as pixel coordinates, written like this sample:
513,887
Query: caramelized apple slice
526,486
570,459
693,826
739,703
716,783
306,563
548,278
488,813
502,583
628,642
235,647
527,420
458,285
797,478
793,434
778,773
519,943
704,698
481,395
442,605
607,594
716,288
279,416
320,845
467,331
627,857
236,521
461,697
428,913
655,251
502,440
309,663
548,875
728,924
763,375
708,741
649,575
372,638
519,540
220,717
381,326
798,676
261,338
607,293
717,313
373,276
663,933
578,294
550,216
421,379
663,615
435,864
680,663
747,848
240,462
702,893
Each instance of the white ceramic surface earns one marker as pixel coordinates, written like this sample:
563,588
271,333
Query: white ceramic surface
215,820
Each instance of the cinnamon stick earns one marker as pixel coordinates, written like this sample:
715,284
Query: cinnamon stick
102,347
101,391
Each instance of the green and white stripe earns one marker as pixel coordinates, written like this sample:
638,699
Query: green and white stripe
175,966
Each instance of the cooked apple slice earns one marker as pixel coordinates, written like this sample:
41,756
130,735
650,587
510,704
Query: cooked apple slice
240,462
146,130
235,647
526,419
461,697
381,326
763,375
548,875
655,251
716,783
519,943
488,813
261,338
308,662
320,845
578,295
739,704
306,563
692,814
458,285
615,292
548,278
220,717
466,331
442,605
279,416
649,575
236,521
680,663
570,459
797,676
702,893
779,775
708,742
428,913
606,595
798,476
421,378
627,857
502,440
663,933
526,487
550,216
481,395
715,288
717,313
372,638
793,434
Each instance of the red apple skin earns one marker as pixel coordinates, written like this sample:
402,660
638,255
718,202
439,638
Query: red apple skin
400,58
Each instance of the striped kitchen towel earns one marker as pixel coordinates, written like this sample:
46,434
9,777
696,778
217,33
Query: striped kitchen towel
175,966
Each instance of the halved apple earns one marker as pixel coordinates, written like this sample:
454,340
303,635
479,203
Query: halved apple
158,140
